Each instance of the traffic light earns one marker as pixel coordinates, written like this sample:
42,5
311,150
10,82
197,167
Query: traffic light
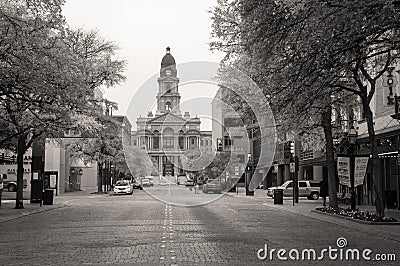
219,145
292,148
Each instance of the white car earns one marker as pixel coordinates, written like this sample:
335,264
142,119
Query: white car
123,187
146,182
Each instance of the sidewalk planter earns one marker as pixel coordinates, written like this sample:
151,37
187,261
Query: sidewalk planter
358,216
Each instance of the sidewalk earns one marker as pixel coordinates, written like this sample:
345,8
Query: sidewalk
8,211
305,205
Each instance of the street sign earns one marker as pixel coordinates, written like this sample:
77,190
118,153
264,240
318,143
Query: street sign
293,167
360,168
343,168
249,169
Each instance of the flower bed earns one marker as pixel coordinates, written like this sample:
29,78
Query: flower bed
357,215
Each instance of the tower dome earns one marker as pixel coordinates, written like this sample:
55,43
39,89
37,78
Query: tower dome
168,59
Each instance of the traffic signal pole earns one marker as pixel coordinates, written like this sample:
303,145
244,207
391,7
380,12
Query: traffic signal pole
294,169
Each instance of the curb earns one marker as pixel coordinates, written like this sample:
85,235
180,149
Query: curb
356,220
28,213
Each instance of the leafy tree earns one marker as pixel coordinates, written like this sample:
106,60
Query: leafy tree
218,165
138,161
49,75
297,50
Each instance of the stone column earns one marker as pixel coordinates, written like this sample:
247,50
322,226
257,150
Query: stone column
160,162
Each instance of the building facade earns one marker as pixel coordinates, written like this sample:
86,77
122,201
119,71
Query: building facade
387,131
168,134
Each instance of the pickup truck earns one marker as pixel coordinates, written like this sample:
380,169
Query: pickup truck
10,182
307,188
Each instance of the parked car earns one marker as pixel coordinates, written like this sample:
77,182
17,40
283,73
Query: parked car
307,188
212,186
136,185
189,183
151,180
145,182
123,187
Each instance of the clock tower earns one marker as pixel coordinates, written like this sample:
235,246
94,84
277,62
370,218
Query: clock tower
168,98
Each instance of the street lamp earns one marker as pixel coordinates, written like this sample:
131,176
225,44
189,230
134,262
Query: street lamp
352,138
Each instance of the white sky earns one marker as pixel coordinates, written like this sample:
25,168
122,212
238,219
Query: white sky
143,29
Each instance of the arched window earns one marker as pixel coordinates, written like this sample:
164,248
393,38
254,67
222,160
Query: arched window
168,106
168,139
168,87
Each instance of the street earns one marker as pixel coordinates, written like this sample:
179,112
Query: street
137,229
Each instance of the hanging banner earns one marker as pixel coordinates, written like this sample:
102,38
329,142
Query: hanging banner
360,168
343,168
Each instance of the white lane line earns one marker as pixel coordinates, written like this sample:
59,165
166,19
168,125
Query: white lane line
232,210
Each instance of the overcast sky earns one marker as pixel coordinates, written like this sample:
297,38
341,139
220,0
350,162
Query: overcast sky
143,29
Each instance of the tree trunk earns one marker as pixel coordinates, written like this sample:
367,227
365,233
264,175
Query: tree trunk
330,159
21,148
376,175
99,178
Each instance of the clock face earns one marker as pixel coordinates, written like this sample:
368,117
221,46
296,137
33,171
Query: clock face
168,72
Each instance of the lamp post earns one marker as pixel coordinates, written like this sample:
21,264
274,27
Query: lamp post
352,138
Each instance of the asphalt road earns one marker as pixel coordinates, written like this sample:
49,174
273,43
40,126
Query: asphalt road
139,230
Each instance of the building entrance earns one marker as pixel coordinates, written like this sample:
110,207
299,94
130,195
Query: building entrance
168,169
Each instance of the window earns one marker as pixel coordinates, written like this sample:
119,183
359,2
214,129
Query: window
192,141
233,122
181,143
206,141
134,142
168,87
289,185
302,184
201,142
168,142
228,141
156,142
168,159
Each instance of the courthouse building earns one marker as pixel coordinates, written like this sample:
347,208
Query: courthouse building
168,133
